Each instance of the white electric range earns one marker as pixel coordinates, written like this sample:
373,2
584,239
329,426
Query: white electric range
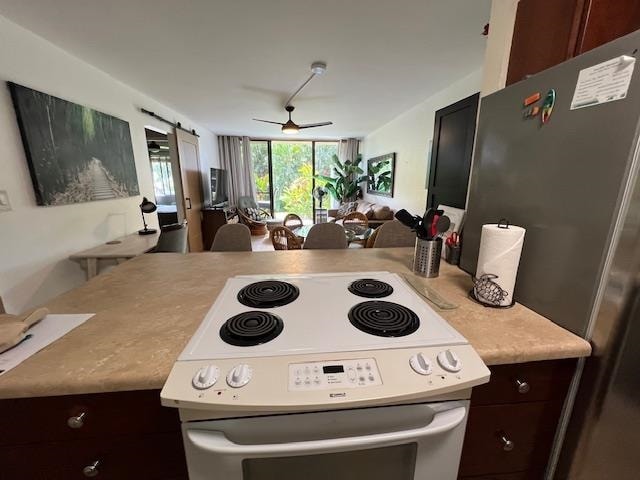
331,369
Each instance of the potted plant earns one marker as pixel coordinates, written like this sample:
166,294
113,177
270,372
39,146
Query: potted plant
345,183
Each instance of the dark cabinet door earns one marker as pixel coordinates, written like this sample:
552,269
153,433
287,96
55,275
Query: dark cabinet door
548,32
453,134
606,20
544,35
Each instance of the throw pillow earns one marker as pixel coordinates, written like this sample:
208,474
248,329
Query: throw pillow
346,208
253,213
366,208
382,212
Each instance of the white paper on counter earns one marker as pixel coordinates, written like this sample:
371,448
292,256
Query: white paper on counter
602,83
43,333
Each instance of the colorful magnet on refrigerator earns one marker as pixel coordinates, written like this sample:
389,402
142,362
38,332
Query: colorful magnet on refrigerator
531,99
547,105
531,112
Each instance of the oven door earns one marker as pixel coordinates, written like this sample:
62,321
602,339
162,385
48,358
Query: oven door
408,442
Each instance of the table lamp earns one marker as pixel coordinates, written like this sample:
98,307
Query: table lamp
147,207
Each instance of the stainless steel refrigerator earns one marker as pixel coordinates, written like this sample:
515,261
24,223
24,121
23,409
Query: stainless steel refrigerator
573,184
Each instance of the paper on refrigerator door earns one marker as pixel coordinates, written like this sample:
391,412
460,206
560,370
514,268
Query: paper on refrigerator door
43,333
602,83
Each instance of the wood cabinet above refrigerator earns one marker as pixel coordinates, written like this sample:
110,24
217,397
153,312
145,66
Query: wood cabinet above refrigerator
548,32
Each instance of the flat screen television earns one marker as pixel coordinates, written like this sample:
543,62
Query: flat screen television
218,186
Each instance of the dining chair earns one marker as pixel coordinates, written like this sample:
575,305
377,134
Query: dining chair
326,236
356,218
173,239
356,222
292,221
283,238
394,234
371,239
232,237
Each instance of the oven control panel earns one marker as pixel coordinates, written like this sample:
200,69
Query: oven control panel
324,375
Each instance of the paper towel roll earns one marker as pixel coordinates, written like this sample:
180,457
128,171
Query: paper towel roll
500,249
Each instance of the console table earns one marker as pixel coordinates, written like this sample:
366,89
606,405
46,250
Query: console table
120,249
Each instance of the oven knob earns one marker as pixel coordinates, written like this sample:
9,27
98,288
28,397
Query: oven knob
449,361
206,377
420,364
239,375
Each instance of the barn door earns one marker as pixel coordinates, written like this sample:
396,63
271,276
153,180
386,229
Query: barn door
188,153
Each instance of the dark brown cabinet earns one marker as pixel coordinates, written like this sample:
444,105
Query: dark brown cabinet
548,32
513,420
212,220
129,434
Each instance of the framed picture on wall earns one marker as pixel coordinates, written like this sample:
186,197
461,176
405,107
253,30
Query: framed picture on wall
75,154
380,174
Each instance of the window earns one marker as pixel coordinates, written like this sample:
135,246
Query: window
284,173
162,179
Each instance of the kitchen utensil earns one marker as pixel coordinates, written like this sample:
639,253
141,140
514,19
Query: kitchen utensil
429,293
426,257
453,240
452,254
443,224
414,222
427,222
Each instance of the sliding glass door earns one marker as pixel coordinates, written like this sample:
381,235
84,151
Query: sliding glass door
284,173
292,178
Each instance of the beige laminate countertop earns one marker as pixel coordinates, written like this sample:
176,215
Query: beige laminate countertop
148,308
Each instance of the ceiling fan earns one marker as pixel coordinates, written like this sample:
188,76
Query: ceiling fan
290,127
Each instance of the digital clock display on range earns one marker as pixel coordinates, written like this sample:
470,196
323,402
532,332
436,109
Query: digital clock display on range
333,369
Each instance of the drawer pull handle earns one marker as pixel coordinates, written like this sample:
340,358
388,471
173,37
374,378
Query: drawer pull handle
91,470
523,387
77,421
507,445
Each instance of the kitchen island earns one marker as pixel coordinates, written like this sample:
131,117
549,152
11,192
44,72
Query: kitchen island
111,367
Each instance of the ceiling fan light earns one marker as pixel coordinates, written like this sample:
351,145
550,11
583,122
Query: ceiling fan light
290,129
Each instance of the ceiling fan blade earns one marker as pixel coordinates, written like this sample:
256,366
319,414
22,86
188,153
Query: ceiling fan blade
311,125
267,121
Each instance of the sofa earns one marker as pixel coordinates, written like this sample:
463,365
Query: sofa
376,214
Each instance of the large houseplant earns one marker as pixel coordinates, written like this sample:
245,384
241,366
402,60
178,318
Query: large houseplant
346,179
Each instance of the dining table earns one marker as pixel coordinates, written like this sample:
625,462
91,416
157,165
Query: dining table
354,232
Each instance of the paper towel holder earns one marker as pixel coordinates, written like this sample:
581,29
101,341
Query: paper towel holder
503,223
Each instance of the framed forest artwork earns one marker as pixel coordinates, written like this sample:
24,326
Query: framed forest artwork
75,154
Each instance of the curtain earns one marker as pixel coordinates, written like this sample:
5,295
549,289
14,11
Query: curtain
348,149
247,169
235,157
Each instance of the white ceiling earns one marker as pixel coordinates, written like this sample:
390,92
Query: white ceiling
222,62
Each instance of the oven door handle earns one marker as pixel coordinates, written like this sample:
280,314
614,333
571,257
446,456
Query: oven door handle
216,442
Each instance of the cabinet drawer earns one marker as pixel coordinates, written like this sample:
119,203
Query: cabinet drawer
528,475
526,382
529,426
151,457
45,419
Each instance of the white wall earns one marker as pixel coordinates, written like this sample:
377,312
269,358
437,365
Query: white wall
496,58
36,241
409,135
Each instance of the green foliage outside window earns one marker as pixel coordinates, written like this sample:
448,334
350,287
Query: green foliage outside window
292,173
